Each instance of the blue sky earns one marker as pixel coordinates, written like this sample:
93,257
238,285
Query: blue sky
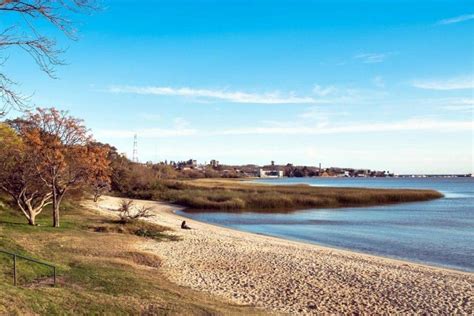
372,84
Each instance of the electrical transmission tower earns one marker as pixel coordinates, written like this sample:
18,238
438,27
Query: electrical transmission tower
135,149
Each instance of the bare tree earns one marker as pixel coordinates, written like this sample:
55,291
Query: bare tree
100,181
99,187
126,214
23,33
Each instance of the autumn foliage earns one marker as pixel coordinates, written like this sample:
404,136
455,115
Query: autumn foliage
51,154
19,177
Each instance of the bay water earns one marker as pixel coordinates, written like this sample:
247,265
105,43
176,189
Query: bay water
438,232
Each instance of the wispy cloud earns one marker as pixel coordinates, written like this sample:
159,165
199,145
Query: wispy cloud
373,58
460,108
343,95
457,19
407,125
285,128
466,82
323,91
460,105
230,96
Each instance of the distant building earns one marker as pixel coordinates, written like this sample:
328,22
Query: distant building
362,173
270,173
214,163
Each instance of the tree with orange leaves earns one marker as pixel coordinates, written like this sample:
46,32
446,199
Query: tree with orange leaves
100,181
65,157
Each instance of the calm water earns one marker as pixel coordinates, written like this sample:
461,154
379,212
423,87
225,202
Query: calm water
439,232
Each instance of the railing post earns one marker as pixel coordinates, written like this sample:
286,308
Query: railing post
14,270
54,276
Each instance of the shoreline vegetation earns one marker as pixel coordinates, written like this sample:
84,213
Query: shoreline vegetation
240,196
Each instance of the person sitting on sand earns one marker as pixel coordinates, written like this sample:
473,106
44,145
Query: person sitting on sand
184,226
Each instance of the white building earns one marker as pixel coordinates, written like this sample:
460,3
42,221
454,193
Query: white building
270,173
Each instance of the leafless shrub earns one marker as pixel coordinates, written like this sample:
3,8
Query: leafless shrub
128,213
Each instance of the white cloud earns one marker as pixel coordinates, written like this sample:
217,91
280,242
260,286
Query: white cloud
466,82
320,95
456,19
461,105
230,96
373,58
322,127
407,125
343,95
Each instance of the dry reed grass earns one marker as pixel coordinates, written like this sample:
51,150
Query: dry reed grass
243,196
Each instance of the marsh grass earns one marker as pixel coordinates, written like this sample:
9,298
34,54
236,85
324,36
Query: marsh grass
227,195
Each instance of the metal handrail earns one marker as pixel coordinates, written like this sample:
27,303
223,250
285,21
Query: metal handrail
15,256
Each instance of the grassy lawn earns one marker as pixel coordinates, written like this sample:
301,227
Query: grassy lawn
234,195
99,270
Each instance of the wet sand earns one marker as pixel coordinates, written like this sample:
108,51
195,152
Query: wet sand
290,277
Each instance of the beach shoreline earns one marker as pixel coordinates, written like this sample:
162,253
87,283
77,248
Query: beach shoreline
287,276
298,242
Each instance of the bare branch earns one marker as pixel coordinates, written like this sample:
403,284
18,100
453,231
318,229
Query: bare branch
42,49
9,98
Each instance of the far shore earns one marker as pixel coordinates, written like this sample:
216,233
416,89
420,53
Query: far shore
284,276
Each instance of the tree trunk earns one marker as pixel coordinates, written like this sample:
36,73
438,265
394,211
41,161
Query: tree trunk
32,219
29,210
57,198
55,213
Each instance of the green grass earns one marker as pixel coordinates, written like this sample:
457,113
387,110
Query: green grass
98,272
228,195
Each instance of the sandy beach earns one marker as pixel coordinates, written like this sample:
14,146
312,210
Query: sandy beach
282,276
